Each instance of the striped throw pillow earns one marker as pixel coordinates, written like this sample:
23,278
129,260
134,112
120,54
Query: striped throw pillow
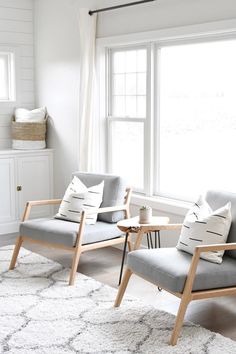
202,226
78,198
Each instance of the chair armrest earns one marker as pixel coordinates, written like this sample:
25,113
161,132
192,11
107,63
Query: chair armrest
217,247
106,209
38,202
172,227
44,202
195,260
86,212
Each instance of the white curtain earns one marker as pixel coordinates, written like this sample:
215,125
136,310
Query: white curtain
87,99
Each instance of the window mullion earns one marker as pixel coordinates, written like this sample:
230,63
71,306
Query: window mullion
126,119
109,144
109,83
157,71
108,107
148,125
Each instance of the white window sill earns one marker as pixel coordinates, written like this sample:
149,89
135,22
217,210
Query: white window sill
8,105
171,206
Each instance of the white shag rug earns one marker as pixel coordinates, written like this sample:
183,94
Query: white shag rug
40,313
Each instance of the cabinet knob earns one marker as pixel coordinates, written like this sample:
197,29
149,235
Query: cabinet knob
19,188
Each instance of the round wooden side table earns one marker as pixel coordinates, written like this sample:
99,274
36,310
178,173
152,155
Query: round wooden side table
132,225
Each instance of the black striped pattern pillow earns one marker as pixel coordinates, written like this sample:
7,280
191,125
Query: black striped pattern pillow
202,226
78,198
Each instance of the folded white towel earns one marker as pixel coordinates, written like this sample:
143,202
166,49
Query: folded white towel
36,115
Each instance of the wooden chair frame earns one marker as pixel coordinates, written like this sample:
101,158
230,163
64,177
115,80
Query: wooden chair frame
188,294
79,248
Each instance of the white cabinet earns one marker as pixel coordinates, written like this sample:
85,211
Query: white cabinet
34,182
7,191
24,175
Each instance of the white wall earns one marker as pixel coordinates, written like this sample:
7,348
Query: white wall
162,14
57,78
16,30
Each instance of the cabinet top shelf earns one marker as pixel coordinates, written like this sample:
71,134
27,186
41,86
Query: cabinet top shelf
20,152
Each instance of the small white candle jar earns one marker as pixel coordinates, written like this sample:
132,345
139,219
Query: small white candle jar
145,214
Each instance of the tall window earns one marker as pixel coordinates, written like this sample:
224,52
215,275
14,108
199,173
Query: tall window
193,98
127,113
7,77
197,118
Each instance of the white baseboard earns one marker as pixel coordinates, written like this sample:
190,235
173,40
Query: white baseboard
9,228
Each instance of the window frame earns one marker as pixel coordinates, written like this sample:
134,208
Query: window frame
156,192
202,33
11,74
146,120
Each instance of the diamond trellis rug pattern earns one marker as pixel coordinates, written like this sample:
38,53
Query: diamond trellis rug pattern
40,313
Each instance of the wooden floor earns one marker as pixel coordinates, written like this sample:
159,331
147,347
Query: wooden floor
218,315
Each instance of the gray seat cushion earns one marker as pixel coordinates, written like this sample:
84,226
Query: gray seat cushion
113,193
65,232
168,268
217,199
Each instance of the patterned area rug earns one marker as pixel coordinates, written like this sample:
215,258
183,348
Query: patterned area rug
40,313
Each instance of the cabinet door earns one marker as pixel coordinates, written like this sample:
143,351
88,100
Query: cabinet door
35,181
7,190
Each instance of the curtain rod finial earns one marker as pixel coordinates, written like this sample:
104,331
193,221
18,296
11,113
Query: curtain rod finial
90,12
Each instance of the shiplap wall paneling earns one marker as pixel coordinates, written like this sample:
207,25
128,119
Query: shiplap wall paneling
17,31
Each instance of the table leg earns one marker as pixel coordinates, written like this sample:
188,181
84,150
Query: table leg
148,243
138,239
159,245
159,239
151,243
123,257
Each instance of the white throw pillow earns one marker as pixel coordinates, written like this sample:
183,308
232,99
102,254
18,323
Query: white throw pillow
78,198
23,115
202,226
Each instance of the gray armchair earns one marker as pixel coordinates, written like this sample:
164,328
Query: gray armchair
183,275
74,237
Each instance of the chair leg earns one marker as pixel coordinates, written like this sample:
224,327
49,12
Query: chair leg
130,245
179,320
122,287
123,258
74,266
18,244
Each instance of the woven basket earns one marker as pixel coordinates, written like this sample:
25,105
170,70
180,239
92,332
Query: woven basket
29,135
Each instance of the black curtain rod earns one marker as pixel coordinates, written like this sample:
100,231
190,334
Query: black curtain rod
91,12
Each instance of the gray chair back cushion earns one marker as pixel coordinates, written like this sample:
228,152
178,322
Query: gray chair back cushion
217,199
113,194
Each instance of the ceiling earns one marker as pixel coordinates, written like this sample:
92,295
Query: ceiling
102,3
